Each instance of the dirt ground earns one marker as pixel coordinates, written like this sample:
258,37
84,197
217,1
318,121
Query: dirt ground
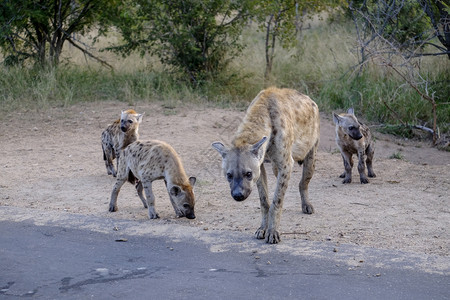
52,160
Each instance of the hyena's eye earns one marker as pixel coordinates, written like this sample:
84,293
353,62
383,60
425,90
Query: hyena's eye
229,176
130,121
249,175
351,127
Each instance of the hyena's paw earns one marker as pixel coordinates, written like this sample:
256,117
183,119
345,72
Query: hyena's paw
372,174
273,236
260,233
342,175
347,180
364,180
307,208
152,214
112,208
111,172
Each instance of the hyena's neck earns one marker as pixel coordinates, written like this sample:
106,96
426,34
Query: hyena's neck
174,172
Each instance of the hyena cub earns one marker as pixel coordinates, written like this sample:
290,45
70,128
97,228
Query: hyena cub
118,135
149,161
353,137
282,126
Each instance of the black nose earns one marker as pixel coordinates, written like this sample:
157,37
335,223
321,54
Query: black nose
238,197
190,216
123,128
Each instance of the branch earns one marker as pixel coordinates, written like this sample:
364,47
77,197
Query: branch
424,128
431,100
103,62
393,112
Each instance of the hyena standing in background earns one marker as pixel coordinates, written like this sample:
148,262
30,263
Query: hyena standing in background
149,161
353,137
281,125
118,135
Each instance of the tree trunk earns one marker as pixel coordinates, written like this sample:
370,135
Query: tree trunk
267,46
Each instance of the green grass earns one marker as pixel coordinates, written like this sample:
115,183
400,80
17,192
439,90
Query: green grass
320,66
397,155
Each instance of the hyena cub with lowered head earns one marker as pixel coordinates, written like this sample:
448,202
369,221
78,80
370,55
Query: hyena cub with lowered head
353,137
118,135
149,161
282,126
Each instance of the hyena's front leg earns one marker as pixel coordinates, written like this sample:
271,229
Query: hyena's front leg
263,194
150,200
348,165
362,167
276,208
115,193
370,152
308,171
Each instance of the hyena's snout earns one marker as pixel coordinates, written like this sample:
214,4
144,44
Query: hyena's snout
188,212
239,193
357,137
355,134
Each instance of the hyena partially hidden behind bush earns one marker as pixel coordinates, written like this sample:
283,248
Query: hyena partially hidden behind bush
118,135
353,137
149,161
281,125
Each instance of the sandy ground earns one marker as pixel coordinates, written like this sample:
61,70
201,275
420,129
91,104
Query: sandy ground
52,160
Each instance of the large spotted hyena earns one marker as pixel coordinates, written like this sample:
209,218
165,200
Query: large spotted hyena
118,135
353,137
149,161
281,125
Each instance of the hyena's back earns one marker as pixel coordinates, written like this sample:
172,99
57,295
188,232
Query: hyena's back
293,117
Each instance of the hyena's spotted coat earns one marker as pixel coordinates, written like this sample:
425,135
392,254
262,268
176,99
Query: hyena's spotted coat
118,135
281,125
149,161
353,137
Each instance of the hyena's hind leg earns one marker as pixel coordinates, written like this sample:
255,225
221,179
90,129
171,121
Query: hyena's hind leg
108,157
147,185
140,189
308,172
369,153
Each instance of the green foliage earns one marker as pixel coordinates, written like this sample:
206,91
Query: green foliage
39,29
404,22
196,38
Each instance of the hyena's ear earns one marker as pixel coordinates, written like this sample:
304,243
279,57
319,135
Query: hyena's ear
139,117
175,191
192,180
220,148
336,118
256,148
351,111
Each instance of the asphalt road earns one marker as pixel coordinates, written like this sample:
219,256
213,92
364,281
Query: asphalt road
47,256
